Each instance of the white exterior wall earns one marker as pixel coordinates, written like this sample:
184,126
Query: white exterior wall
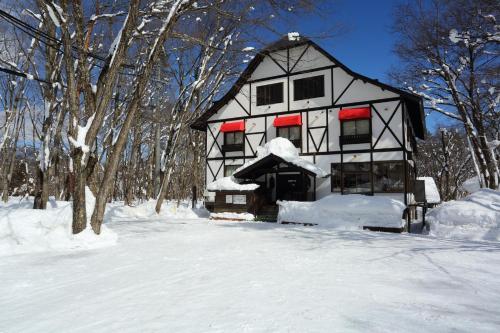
323,138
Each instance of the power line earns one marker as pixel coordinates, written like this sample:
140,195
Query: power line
53,43
16,73
40,35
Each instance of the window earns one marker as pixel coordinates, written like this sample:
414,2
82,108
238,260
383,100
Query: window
309,87
233,141
233,138
270,94
388,177
230,169
356,127
355,178
292,133
336,178
355,131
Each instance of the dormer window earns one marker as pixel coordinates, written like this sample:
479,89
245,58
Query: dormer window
309,87
270,94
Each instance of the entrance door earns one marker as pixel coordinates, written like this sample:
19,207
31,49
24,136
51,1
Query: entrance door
290,186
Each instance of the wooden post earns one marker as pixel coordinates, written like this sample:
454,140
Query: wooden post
193,203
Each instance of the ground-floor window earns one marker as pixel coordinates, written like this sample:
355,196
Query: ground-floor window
356,177
387,177
352,178
230,169
336,180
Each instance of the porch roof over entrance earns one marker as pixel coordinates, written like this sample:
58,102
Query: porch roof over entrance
278,150
264,165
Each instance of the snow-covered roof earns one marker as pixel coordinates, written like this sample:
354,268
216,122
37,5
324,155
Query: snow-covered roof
285,150
431,191
230,184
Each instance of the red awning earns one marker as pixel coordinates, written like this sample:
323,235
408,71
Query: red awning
357,113
287,121
237,126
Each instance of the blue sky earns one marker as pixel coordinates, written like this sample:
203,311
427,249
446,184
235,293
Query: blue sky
365,45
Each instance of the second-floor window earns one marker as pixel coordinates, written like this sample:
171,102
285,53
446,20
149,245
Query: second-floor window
233,141
233,138
356,127
270,94
292,133
309,87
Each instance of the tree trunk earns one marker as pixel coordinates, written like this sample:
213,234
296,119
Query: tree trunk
79,209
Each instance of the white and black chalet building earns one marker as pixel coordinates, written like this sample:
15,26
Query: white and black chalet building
358,129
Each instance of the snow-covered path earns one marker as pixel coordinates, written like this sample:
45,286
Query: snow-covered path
196,276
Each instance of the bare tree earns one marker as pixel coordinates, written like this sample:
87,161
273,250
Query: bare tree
449,51
445,156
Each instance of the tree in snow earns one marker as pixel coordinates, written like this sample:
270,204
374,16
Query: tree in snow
119,84
449,51
444,155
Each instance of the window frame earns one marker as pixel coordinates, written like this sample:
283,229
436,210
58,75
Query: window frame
226,134
230,165
402,176
355,121
268,100
346,139
307,87
338,178
229,147
296,142
345,173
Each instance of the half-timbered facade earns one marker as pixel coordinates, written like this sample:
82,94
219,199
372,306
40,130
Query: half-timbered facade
358,129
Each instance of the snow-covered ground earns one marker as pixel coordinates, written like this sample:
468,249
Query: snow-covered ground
190,274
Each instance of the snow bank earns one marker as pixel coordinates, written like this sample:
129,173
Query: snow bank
475,217
284,149
232,216
230,184
431,191
345,211
23,229
471,185
146,210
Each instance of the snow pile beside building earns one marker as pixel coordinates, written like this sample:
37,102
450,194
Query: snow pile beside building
345,212
431,191
471,185
170,210
476,217
230,184
284,149
23,229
